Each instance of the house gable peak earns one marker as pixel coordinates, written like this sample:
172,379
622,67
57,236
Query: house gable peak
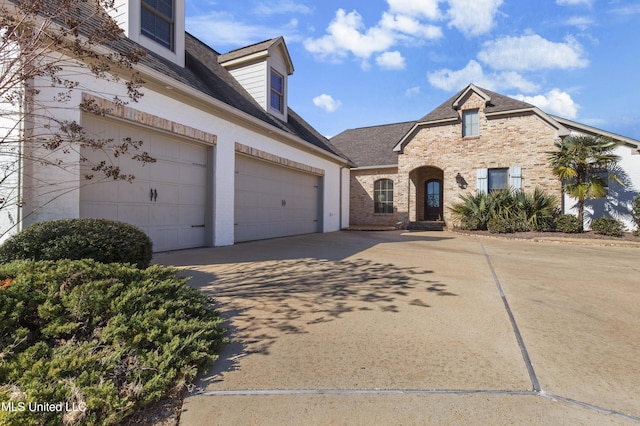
459,100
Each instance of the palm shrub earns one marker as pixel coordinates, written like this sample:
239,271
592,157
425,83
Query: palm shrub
106,337
578,162
537,210
473,211
103,240
506,211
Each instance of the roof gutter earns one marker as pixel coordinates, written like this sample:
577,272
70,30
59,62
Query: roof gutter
595,131
240,116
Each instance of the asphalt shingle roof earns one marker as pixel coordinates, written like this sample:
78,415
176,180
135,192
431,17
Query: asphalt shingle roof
203,72
372,146
499,103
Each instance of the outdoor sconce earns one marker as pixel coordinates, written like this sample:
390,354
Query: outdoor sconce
461,182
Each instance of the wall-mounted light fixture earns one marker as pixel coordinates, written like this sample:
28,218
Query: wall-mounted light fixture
462,183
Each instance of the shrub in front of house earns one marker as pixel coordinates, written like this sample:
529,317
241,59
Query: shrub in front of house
568,224
500,225
103,338
103,240
607,226
636,214
506,211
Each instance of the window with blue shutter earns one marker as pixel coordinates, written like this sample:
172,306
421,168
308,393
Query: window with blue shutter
483,183
515,177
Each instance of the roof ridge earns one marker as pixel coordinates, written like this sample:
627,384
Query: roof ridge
380,125
253,45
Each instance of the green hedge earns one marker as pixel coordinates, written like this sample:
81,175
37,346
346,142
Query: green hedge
568,224
103,240
108,338
607,226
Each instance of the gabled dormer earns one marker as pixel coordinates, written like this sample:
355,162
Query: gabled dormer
157,25
262,69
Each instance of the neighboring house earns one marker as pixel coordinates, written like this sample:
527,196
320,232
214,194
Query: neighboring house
477,140
234,162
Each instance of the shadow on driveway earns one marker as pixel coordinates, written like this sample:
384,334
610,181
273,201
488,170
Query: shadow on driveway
267,290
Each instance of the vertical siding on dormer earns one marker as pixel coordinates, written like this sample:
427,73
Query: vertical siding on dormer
254,78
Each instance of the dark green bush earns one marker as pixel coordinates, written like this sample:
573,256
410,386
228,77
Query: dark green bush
103,240
501,226
636,215
106,337
607,226
568,224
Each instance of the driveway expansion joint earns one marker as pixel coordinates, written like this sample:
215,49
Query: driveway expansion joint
525,354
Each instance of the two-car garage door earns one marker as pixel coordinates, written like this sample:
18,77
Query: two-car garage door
168,199
275,201
172,198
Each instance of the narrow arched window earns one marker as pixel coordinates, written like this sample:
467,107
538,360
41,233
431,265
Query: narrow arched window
383,196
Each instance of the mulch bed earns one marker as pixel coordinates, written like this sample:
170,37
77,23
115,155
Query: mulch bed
589,235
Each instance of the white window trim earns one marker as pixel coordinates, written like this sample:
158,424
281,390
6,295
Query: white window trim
281,96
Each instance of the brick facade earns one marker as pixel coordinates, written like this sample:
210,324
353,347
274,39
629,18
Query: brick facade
361,206
439,151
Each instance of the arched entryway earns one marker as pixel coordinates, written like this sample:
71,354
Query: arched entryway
426,194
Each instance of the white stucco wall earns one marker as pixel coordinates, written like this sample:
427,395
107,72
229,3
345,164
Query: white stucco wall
44,206
618,203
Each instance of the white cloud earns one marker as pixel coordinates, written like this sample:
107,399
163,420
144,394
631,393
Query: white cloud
326,102
574,2
473,17
414,91
391,61
230,31
281,7
451,80
404,24
420,8
532,52
582,22
347,35
555,102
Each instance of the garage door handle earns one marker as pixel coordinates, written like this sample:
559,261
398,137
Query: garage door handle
197,226
153,194
284,203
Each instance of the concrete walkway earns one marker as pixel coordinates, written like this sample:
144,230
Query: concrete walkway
419,328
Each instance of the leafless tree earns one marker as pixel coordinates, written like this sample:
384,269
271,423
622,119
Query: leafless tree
47,50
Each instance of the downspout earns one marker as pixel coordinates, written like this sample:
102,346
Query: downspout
340,202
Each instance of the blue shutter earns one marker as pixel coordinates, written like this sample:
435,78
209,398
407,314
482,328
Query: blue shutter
515,177
483,180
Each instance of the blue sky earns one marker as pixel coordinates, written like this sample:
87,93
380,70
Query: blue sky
363,63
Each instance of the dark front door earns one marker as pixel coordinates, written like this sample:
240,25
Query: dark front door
433,200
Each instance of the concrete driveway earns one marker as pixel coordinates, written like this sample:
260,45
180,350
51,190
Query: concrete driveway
419,328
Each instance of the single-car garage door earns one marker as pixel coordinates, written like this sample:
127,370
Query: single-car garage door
275,201
167,199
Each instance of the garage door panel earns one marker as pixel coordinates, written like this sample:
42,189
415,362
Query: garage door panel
190,216
192,173
274,201
178,177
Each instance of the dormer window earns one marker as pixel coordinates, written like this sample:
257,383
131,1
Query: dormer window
157,22
277,91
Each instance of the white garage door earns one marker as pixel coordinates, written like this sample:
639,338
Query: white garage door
273,201
167,199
